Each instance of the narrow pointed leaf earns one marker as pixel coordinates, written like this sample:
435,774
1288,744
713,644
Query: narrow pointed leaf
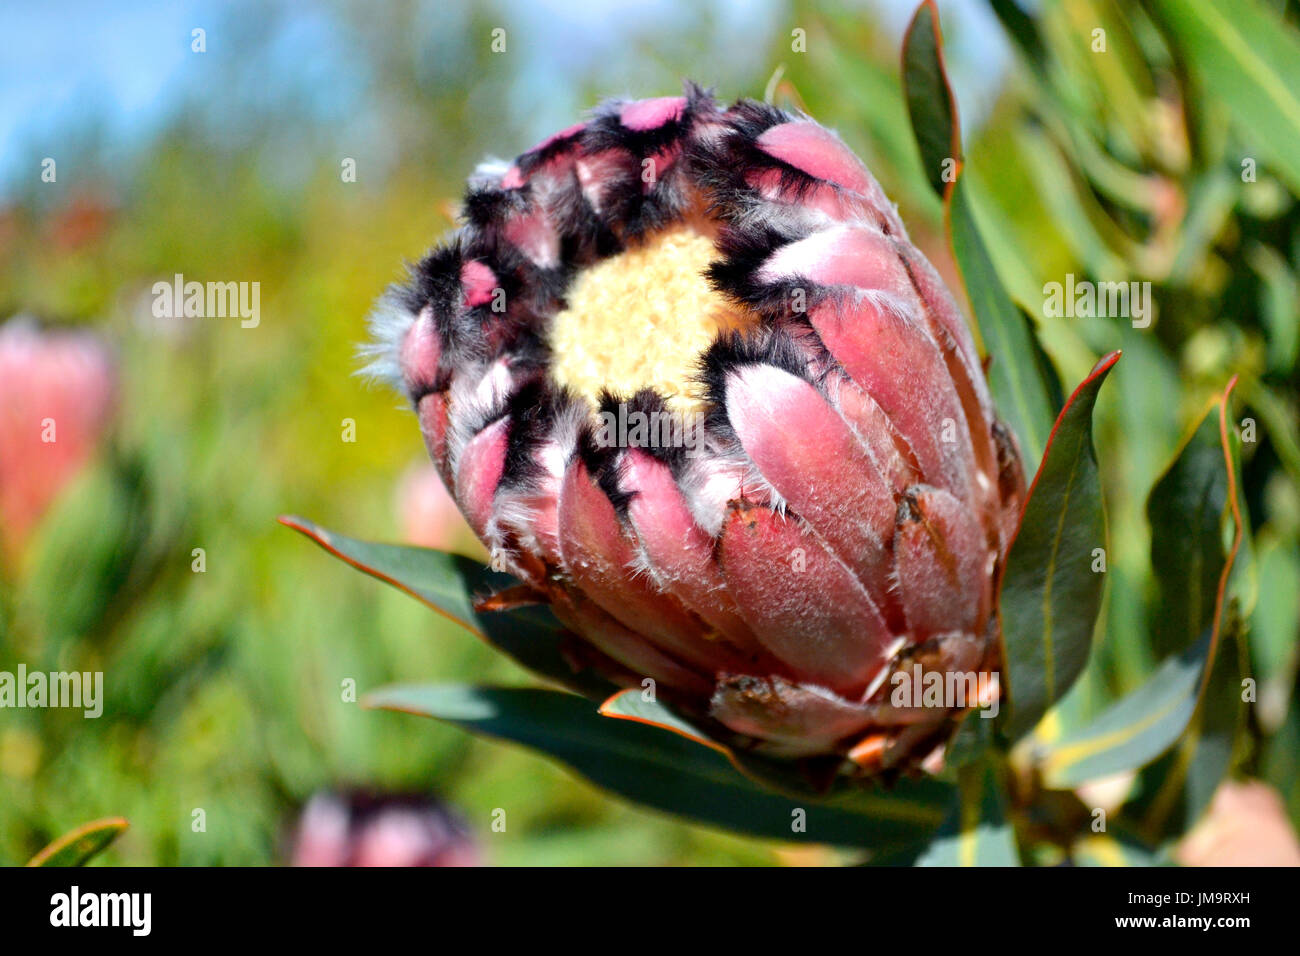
448,583
1185,511
1135,729
445,582
668,772
1176,789
1022,397
1050,593
930,102
1143,725
1204,479
632,705
77,847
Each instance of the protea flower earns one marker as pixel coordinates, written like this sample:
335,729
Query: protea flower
689,380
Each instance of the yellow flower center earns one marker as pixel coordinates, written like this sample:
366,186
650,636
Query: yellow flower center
641,319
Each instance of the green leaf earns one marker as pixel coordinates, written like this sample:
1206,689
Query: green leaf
976,831
1134,730
1186,512
1144,724
671,772
77,847
445,582
1023,399
1205,476
1023,30
1185,780
448,583
782,776
1250,58
1172,792
632,705
1050,593
930,103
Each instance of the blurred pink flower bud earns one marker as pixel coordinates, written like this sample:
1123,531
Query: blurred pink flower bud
57,396
360,829
1247,825
429,515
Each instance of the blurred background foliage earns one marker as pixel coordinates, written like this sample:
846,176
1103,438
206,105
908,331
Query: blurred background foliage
223,687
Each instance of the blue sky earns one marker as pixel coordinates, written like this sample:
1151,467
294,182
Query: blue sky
117,71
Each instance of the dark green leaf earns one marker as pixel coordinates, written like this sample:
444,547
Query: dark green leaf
1023,399
1173,792
930,102
1204,478
79,846
445,582
1199,688
1050,592
1023,30
782,776
972,739
1186,513
448,583
671,773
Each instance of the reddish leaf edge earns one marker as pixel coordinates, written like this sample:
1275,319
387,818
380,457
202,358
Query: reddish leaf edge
606,710
320,536
118,825
1100,370
738,762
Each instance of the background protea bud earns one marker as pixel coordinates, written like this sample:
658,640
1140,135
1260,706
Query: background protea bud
378,829
57,395
688,379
